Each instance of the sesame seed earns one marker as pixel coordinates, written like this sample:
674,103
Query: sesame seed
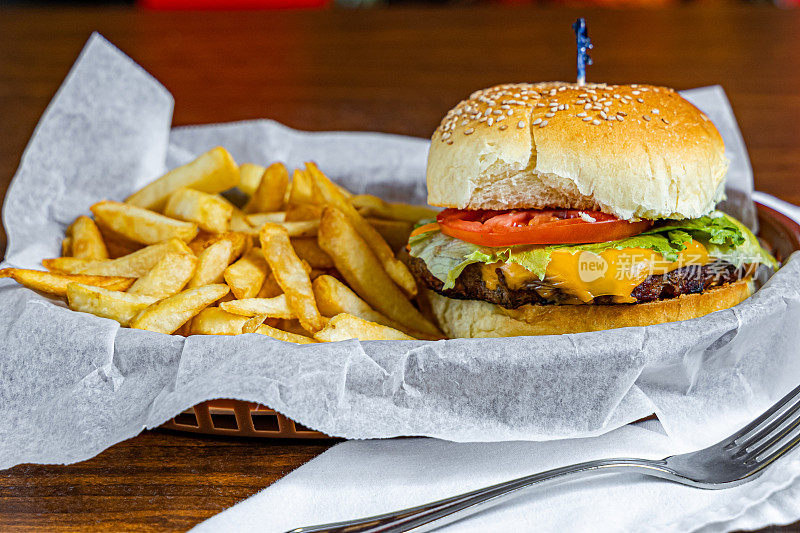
543,124
623,113
616,96
581,101
595,122
503,127
635,92
665,121
641,101
490,121
581,114
521,124
469,131
620,118
537,121
446,136
587,106
549,115
497,112
510,112
587,119
646,118
654,111
488,111
603,114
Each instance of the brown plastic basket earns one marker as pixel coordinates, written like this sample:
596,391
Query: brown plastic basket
245,419
240,419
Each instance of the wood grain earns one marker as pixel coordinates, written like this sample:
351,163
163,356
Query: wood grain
392,70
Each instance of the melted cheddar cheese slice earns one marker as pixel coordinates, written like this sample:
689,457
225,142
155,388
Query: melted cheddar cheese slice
586,275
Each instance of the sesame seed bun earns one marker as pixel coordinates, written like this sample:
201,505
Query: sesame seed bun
634,151
476,318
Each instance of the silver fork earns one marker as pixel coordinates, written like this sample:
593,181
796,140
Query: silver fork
732,461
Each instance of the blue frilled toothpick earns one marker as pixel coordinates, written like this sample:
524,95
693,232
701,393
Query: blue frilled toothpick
584,44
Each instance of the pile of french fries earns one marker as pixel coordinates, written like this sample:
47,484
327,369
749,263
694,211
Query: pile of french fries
303,260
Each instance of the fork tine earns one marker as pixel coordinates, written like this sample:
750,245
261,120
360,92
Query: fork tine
769,439
776,425
756,427
779,448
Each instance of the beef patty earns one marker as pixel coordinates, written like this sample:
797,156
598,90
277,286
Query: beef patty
685,280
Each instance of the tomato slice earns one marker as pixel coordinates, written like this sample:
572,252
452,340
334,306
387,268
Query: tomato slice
536,226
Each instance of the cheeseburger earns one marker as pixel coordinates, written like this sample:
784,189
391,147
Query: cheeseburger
572,208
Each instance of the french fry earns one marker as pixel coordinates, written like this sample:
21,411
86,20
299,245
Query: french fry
270,307
116,305
257,220
343,327
291,325
285,336
208,211
239,222
302,190
142,225
296,213
133,265
56,284
66,265
300,228
211,264
372,206
214,171
202,241
227,298
66,247
291,275
215,321
116,244
252,324
87,242
363,271
270,287
246,276
185,330
394,232
241,241
249,177
169,314
397,271
269,194
334,297
167,277
308,250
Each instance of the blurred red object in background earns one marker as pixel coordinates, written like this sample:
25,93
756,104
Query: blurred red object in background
231,4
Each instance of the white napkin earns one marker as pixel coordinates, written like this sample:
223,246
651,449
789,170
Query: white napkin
362,478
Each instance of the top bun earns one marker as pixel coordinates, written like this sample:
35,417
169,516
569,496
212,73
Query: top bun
634,151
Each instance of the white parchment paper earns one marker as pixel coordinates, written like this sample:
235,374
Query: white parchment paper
72,384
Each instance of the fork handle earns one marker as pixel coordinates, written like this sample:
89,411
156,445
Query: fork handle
456,507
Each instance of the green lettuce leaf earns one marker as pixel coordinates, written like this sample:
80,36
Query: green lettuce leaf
724,237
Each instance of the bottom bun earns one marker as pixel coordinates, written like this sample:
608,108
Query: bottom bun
476,318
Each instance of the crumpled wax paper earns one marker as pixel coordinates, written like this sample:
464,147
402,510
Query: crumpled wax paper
72,384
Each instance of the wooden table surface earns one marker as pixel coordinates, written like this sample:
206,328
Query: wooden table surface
392,70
